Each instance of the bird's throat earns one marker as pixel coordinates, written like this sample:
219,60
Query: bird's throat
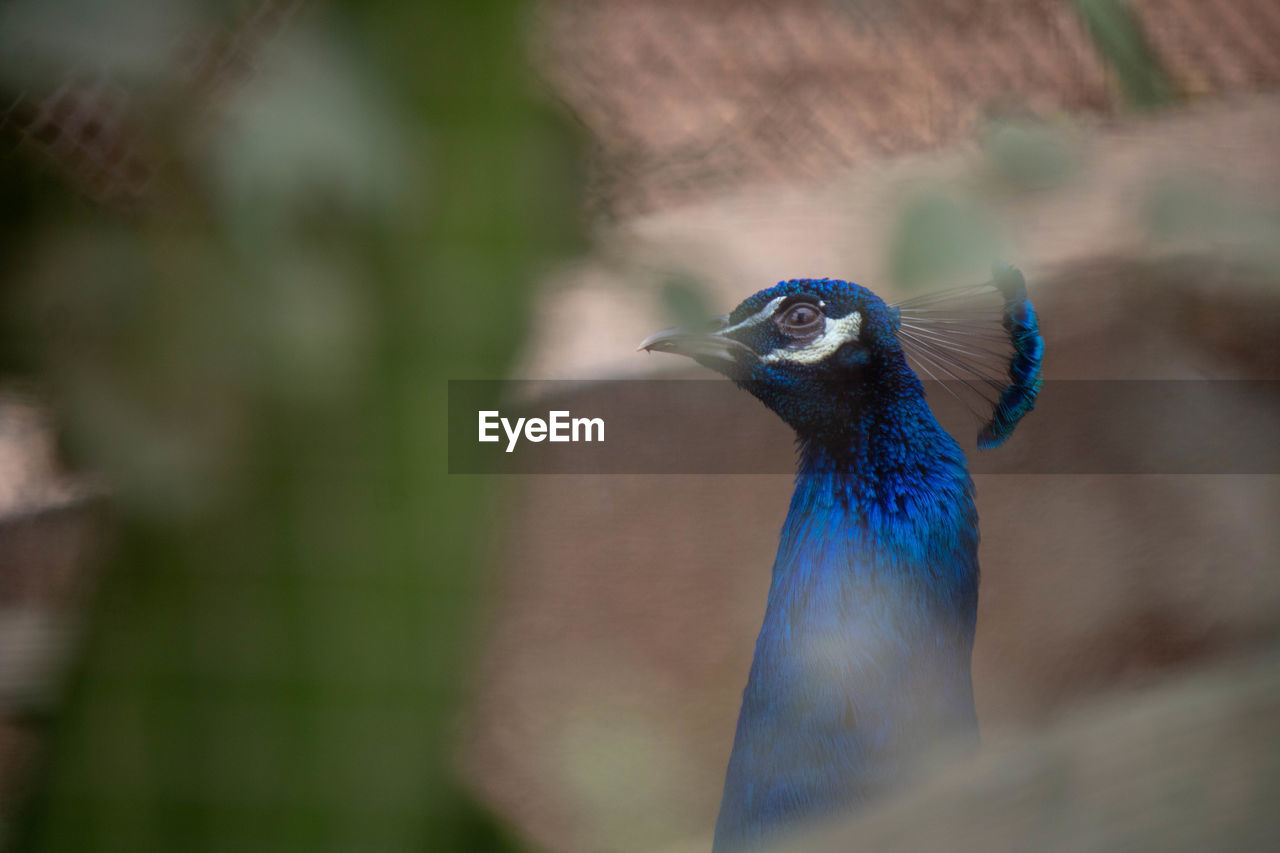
862,666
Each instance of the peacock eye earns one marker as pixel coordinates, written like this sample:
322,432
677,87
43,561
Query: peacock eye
800,319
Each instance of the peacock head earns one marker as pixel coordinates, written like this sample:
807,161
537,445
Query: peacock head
810,349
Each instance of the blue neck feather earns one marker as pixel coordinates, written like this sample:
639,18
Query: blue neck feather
863,661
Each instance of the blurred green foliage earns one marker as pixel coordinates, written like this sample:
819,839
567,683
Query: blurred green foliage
256,357
685,300
1118,36
1197,214
945,234
942,235
1029,155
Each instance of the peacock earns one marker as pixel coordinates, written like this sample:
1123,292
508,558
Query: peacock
862,665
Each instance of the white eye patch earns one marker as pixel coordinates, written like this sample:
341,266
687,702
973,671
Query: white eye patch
755,319
835,334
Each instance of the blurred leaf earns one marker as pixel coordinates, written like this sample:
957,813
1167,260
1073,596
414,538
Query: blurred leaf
1198,214
1029,155
941,238
685,301
616,764
1118,36
307,130
130,40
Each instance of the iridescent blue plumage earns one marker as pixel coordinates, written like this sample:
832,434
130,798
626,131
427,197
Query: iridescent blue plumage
986,356
1020,322
862,665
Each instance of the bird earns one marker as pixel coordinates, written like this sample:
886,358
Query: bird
862,667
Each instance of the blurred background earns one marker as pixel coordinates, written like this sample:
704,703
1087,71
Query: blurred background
243,605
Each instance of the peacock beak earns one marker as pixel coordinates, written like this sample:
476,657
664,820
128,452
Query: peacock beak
710,348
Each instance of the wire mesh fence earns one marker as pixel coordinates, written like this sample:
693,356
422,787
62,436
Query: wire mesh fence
684,99
92,128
